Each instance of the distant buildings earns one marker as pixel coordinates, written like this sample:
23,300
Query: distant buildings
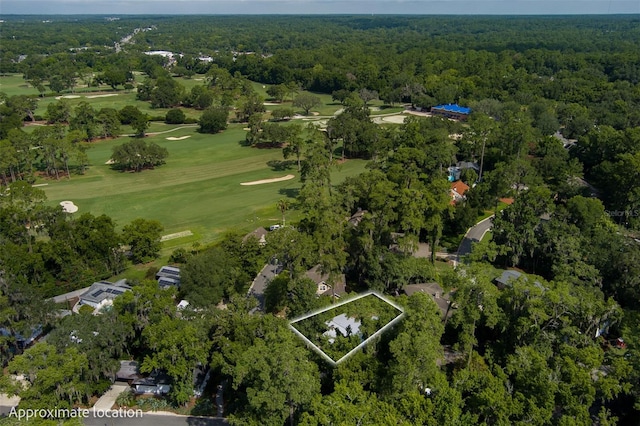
453,111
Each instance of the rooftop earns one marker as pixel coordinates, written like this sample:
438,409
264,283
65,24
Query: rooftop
103,290
452,108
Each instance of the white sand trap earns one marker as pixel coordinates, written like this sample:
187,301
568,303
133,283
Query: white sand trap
271,103
173,138
260,182
68,206
101,96
176,235
110,161
40,184
67,97
397,119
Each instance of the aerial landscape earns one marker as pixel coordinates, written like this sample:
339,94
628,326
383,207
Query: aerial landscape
319,219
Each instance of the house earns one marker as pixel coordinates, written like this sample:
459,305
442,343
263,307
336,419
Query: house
20,340
102,293
456,171
168,276
509,276
343,324
156,384
323,288
259,234
458,191
128,372
357,217
453,111
437,294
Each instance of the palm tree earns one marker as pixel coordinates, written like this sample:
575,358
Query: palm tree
283,206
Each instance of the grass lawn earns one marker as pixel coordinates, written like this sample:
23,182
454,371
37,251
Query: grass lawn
198,189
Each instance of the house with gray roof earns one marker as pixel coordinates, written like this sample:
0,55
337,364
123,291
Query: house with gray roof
508,277
168,276
439,296
102,293
323,287
259,234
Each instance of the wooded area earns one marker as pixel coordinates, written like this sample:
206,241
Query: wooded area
554,137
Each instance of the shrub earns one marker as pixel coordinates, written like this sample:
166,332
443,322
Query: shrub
175,116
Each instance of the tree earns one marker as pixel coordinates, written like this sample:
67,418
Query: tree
143,237
137,155
114,76
23,105
176,347
283,206
416,349
109,121
167,93
306,101
277,376
278,92
175,116
280,114
140,124
213,120
212,275
58,112
56,379
84,119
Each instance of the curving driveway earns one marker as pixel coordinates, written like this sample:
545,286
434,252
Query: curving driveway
474,235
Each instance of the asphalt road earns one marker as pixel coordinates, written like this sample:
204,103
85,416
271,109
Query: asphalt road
261,280
474,234
150,419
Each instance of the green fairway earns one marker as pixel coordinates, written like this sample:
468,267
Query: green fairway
197,190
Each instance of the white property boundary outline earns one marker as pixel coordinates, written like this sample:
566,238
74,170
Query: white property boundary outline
362,344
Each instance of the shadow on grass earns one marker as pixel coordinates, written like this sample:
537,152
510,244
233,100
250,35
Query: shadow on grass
280,165
289,192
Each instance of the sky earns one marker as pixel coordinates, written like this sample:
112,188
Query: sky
258,7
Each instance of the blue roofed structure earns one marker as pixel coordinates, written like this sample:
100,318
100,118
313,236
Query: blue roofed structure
453,111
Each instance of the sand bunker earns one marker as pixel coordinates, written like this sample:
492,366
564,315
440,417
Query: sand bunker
110,161
176,235
68,206
397,119
67,97
271,103
173,138
102,96
259,182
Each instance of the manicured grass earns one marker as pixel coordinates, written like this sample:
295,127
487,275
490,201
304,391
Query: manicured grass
198,189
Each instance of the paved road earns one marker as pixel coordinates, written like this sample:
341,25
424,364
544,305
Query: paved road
474,234
154,419
261,280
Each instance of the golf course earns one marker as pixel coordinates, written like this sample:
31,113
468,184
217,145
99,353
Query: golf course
198,189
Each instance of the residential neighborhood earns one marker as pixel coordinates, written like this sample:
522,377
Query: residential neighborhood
357,218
